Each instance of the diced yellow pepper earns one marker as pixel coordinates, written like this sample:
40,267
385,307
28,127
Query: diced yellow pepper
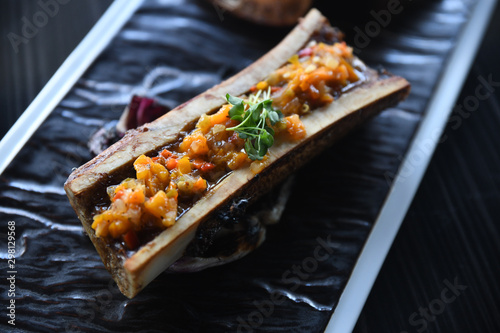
142,166
262,85
204,124
184,165
294,59
154,175
221,116
162,207
119,227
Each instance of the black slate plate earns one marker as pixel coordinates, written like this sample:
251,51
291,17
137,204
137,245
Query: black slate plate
174,51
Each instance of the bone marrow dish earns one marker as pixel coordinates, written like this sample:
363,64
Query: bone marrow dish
143,200
238,135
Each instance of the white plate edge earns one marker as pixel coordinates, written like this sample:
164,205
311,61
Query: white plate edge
91,46
401,195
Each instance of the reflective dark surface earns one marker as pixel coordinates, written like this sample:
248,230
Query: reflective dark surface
452,231
174,52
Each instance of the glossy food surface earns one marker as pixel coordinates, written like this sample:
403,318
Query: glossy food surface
295,279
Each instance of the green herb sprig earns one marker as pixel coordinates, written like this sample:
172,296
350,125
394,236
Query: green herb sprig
255,121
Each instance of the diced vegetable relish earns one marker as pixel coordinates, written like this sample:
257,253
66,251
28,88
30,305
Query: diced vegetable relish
311,79
181,173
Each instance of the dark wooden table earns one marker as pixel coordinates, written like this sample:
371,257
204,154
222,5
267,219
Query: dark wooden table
442,272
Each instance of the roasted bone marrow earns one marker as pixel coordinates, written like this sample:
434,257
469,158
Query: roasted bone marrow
145,200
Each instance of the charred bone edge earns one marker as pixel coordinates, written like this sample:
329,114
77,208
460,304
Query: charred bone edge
86,186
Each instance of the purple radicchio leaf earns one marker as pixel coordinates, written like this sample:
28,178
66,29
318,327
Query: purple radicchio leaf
141,110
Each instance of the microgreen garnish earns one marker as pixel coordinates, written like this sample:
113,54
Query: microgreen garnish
255,122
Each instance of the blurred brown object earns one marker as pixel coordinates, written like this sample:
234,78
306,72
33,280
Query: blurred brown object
266,12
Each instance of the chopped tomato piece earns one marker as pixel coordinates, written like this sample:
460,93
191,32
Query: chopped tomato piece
197,163
207,166
166,153
131,240
171,163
